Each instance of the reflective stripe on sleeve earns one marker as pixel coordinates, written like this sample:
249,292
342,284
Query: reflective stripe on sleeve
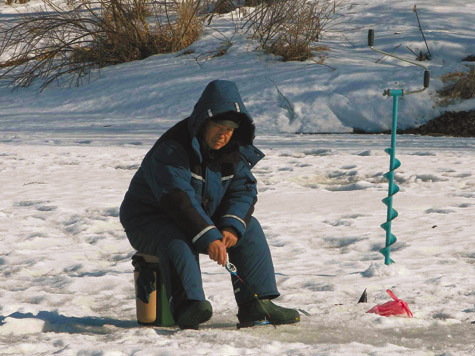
204,231
235,217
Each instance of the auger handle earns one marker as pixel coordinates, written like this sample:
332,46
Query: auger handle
426,70
370,38
426,78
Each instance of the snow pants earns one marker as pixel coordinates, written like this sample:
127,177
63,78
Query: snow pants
180,268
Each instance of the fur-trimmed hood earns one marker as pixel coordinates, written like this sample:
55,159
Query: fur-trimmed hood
221,96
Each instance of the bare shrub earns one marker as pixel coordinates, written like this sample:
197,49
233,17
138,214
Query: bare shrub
81,35
11,2
254,3
288,28
224,6
458,86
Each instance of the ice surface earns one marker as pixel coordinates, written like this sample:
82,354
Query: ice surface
67,278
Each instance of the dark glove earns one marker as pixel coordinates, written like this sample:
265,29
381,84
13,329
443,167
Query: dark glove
145,285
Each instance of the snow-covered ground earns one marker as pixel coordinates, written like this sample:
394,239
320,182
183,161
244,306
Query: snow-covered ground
66,276
67,156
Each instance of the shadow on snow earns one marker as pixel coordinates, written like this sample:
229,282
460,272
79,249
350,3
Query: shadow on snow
56,322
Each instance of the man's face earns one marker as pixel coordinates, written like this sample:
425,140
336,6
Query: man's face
216,135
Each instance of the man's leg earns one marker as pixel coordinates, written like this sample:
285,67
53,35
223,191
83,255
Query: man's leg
252,258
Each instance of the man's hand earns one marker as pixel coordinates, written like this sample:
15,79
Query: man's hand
217,249
217,252
229,237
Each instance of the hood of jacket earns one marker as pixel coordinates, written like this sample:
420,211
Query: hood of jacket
221,96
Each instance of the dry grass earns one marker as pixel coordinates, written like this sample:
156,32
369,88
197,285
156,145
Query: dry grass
11,2
224,6
66,42
254,3
16,62
290,28
458,86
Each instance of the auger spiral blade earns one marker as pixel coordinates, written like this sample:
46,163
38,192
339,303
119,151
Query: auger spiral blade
388,201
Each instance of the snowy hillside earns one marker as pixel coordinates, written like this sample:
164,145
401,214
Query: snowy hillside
67,157
149,94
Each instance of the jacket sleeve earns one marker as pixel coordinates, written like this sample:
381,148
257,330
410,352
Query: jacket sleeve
237,205
167,172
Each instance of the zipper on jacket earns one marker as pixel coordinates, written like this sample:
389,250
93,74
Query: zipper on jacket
204,199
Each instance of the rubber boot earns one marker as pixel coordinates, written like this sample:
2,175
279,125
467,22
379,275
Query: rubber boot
265,312
194,313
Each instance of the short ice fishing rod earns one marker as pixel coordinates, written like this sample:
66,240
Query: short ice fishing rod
394,162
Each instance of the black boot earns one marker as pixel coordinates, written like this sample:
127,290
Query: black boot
194,313
257,311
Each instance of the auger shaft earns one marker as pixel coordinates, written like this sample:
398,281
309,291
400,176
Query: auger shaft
392,188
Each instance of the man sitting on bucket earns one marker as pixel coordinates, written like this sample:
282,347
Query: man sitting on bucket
194,193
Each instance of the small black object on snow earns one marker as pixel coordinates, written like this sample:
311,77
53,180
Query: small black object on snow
363,298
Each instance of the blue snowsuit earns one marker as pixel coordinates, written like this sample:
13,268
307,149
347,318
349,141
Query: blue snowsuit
183,194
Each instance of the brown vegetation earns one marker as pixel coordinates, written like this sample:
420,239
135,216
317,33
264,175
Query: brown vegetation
458,86
67,41
290,28
460,124
10,2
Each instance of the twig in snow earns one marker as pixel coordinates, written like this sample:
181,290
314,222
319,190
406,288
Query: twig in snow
422,56
394,49
287,104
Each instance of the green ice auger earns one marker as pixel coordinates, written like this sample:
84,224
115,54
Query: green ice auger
394,162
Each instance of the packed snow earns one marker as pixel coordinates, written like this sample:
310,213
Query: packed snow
67,156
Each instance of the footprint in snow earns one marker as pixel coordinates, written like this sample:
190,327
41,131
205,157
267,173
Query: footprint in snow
36,234
463,175
365,153
442,316
353,216
128,167
439,211
319,287
318,152
430,178
28,203
338,242
339,174
422,154
46,207
350,187
112,212
339,222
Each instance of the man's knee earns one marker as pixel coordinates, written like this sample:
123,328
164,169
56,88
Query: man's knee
253,230
253,239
